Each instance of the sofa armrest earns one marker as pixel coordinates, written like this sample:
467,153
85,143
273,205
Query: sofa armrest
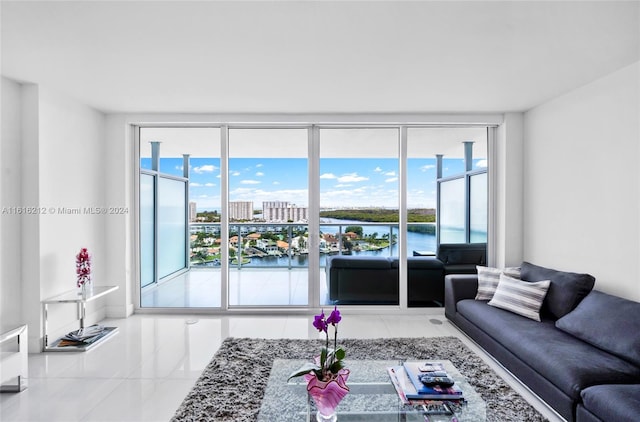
456,288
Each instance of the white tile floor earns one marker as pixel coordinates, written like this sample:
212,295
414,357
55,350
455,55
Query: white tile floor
200,288
144,372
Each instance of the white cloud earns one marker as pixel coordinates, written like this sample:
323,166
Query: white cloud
194,184
391,179
209,185
343,185
328,176
275,182
482,163
352,177
250,182
234,173
389,173
258,165
377,169
259,174
207,168
427,167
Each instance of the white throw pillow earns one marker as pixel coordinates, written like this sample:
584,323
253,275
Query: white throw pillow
488,279
520,297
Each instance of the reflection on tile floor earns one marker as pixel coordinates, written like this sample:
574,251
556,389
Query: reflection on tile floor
144,372
200,288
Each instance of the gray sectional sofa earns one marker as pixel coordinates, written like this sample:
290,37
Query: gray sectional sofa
353,279
582,358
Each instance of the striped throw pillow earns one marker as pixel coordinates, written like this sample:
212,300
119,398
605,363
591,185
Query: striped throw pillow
488,279
520,297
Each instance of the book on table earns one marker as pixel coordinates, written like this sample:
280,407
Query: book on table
402,380
414,369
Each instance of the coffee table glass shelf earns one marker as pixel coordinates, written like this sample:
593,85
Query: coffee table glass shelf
371,397
80,301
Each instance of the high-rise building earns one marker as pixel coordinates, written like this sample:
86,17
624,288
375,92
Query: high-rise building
240,210
192,211
281,211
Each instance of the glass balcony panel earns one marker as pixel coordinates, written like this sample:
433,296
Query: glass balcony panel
479,207
147,217
452,211
171,226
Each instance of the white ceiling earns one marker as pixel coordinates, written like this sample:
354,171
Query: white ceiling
316,56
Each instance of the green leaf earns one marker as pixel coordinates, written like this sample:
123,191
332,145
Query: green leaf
338,365
340,353
304,369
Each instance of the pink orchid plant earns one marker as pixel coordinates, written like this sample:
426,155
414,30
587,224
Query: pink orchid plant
330,361
83,267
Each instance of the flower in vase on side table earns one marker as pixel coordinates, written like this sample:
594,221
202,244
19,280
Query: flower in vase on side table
83,270
326,377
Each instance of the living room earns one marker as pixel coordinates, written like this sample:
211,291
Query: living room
559,80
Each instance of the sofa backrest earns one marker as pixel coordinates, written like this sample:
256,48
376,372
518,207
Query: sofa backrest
608,322
463,254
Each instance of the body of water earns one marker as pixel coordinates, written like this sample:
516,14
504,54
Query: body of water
415,241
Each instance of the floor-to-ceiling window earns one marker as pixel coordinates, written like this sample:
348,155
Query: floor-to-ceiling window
241,234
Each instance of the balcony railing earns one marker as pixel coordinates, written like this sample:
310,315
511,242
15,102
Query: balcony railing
285,245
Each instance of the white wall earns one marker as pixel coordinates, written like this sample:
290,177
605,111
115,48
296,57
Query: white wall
119,235
10,197
506,175
582,181
52,159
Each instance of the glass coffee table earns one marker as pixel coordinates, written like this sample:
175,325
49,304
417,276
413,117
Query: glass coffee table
372,396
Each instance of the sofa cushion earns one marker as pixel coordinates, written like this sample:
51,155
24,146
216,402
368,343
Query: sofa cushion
620,403
521,297
566,289
608,322
566,361
488,279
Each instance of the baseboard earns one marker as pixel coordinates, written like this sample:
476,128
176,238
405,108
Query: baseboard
119,311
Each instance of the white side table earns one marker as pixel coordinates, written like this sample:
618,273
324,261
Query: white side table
72,296
14,361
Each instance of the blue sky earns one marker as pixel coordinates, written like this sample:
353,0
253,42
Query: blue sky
344,182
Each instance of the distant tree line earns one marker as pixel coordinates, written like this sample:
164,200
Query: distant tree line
379,215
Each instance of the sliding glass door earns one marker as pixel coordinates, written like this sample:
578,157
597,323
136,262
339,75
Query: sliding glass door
232,216
359,202
268,217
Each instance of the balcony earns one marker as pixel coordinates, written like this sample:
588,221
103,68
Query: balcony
274,272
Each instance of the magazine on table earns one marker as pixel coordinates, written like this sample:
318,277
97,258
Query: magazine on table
410,395
85,335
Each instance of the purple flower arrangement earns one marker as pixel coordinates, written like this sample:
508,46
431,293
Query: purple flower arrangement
330,362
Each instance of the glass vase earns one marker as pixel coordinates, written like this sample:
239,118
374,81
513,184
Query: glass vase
327,394
85,289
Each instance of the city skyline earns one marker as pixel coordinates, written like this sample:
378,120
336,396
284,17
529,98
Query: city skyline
344,183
